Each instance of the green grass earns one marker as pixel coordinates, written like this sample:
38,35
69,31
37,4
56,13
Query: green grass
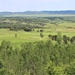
23,36
34,36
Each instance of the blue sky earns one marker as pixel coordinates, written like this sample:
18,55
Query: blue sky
36,5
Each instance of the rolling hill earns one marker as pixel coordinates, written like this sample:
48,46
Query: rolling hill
38,12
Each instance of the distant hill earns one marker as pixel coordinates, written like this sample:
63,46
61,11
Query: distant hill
38,12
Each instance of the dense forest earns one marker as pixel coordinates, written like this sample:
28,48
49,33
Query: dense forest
17,23
28,24
53,56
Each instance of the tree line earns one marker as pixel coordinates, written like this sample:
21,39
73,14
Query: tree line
20,23
28,24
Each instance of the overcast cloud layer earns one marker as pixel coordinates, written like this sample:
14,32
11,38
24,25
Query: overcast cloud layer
36,5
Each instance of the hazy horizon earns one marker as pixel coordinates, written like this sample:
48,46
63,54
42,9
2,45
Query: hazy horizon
36,11
36,5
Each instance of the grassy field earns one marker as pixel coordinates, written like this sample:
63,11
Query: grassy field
33,36
51,27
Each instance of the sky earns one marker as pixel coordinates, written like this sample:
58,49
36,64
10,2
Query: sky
36,5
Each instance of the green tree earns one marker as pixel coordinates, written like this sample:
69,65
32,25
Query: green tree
2,69
59,38
15,35
41,35
70,69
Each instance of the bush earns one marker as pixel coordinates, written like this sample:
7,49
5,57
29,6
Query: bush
49,35
41,35
41,30
27,29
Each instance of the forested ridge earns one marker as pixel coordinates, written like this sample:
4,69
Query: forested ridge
38,58
38,12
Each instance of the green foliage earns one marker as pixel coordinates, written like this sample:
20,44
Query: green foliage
49,35
41,30
27,29
51,69
2,69
41,35
59,38
37,58
15,35
70,69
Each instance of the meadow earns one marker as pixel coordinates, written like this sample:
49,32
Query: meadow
65,28
37,46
